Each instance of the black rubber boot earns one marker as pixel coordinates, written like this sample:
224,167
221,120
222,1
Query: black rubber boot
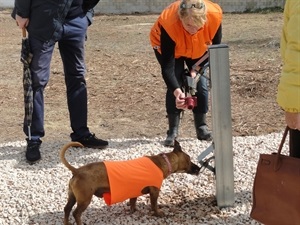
173,129
201,128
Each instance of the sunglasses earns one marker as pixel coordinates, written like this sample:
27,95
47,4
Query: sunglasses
189,6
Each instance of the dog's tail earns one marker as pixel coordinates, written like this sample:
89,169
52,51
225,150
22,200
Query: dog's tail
63,158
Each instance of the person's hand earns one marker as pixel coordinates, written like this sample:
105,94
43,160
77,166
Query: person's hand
292,120
180,99
22,22
193,73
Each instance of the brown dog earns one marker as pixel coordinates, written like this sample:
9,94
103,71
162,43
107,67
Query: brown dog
96,179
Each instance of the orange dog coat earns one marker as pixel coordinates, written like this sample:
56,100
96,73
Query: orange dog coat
128,178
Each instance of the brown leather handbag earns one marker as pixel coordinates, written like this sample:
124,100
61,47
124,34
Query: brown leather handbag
276,189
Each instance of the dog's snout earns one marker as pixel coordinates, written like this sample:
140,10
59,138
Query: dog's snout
195,169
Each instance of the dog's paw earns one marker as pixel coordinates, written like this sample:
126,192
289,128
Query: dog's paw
158,213
132,209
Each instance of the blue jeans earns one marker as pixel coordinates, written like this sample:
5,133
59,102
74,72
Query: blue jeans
71,48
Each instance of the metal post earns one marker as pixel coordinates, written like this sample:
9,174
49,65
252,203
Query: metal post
221,123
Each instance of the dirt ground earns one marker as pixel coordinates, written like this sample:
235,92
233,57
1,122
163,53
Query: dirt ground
125,87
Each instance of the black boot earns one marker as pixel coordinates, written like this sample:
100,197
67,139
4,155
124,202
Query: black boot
173,129
33,153
201,127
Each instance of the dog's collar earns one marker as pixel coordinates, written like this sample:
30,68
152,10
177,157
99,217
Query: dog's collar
168,162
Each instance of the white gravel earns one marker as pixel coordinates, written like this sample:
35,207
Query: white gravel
37,194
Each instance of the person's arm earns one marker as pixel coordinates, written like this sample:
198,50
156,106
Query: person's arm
88,9
168,60
89,4
90,15
218,36
21,12
22,8
288,96
168,68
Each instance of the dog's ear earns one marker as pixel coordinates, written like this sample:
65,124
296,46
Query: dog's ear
177,146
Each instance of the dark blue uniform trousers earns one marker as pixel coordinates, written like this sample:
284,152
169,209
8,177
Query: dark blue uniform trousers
71,40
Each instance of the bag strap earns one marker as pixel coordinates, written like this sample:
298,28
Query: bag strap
283,139
276,165
196,66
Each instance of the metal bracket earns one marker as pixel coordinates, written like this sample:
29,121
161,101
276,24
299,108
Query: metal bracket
204,162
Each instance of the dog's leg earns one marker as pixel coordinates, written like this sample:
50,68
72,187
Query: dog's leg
71,202
81,206
132,203
154,192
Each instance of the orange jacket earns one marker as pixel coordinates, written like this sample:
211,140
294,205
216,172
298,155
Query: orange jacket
187,45
128,178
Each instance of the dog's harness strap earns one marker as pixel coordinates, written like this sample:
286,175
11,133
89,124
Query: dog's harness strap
168,162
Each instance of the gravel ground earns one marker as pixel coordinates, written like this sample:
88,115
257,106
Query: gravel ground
36,194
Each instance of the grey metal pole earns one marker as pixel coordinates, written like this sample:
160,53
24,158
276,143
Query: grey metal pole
221,123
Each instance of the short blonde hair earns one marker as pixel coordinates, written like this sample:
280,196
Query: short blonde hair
194,9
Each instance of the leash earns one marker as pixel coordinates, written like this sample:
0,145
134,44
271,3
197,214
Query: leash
167,161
